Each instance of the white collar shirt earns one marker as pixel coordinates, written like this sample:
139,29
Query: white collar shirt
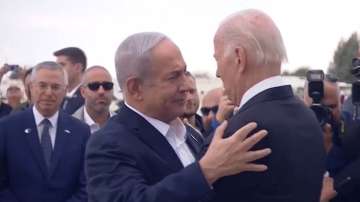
72,92
271,82
92,124
53,120
175,134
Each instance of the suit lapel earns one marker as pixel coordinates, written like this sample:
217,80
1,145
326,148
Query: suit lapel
62,137
32,137
150,136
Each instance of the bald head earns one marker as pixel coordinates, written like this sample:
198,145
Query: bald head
97,90
94,69
212,97
256,32
209,105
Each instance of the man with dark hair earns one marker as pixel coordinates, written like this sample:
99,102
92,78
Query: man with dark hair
192,105
73,60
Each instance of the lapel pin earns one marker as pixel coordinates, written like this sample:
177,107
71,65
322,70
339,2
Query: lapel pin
27,131
67,131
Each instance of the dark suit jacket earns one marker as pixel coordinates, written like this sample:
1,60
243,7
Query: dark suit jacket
24,176
70,105
347,181
128,160
297,163
5,109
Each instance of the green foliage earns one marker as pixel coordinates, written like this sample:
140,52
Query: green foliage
343,55
300,72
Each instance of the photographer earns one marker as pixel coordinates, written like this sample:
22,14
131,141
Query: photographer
343,183
327,110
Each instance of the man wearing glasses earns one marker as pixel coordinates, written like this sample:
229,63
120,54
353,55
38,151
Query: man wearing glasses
97,90
215,109
42,148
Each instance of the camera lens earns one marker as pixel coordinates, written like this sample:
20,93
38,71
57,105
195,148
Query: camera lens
323,114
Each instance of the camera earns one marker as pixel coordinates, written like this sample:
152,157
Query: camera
13,67
15,71
355,88
315,80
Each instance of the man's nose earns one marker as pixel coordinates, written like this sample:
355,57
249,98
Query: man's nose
101,90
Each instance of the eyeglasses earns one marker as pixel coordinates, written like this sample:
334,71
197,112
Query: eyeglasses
54,87
206,110
94,86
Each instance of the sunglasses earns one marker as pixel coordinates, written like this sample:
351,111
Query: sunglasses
94,86
206,110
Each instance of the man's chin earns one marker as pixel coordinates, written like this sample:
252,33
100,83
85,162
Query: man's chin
188,115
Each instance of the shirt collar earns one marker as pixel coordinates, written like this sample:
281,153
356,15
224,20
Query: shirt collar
87,118
271,82
39,117
71,93
176,125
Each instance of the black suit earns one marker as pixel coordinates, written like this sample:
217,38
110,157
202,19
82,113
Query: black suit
71,104
347,181
129,160
297,163
5,109
24,176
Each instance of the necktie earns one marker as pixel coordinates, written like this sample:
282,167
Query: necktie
46,142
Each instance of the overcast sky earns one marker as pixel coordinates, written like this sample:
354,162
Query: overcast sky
31,30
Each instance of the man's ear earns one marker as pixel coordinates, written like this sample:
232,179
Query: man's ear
134,88
79,67
82,90
240,56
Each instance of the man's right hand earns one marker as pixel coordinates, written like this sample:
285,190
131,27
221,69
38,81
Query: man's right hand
226,109
229,156
327,131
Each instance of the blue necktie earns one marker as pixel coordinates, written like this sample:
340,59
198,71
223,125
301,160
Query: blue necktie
46,142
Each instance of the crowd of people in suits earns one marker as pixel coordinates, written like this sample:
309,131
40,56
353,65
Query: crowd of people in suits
255,141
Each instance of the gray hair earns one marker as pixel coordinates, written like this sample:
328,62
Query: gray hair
50,66
256,33
133,55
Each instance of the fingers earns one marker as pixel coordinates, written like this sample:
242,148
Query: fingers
255,155
327,128
219,132
255,167
242,133
252,140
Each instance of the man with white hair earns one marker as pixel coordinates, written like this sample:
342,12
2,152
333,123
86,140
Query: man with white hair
141,154
249,51
42,148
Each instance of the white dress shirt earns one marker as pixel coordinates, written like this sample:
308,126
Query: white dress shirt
92,124
263,85
72,92
53,120
175,134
